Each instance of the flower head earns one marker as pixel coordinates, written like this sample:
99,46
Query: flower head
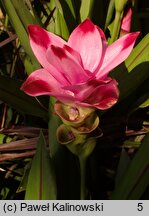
77,71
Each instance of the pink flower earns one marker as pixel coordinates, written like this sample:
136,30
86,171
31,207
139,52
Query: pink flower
77,71
126,22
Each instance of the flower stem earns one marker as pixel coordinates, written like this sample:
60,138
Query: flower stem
82,177
116,27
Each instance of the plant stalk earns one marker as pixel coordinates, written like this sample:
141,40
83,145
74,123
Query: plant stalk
116,27
82,161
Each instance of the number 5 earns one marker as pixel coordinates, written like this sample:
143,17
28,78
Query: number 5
140,207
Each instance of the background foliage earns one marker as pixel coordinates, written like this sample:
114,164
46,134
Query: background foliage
118,167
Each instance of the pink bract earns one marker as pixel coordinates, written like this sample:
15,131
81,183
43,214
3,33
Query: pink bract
77,71
126,21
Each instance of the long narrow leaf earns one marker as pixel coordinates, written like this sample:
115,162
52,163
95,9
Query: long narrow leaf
20,30
139,54
60,24
123,164
54,123
71,6
86,9
130,82
136,178
109,13
11,94
41,181
135,71
69,12
24,14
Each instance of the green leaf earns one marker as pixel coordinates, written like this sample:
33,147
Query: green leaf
86,9
135,180
130,83
109,13
145,104
122,166
61,28
24,13
23,183
54,123
69,13
115,27
41,181
70,4
139,54
133,75
58,24
11,94
64,33
4,137
52,8
20,31
134,88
